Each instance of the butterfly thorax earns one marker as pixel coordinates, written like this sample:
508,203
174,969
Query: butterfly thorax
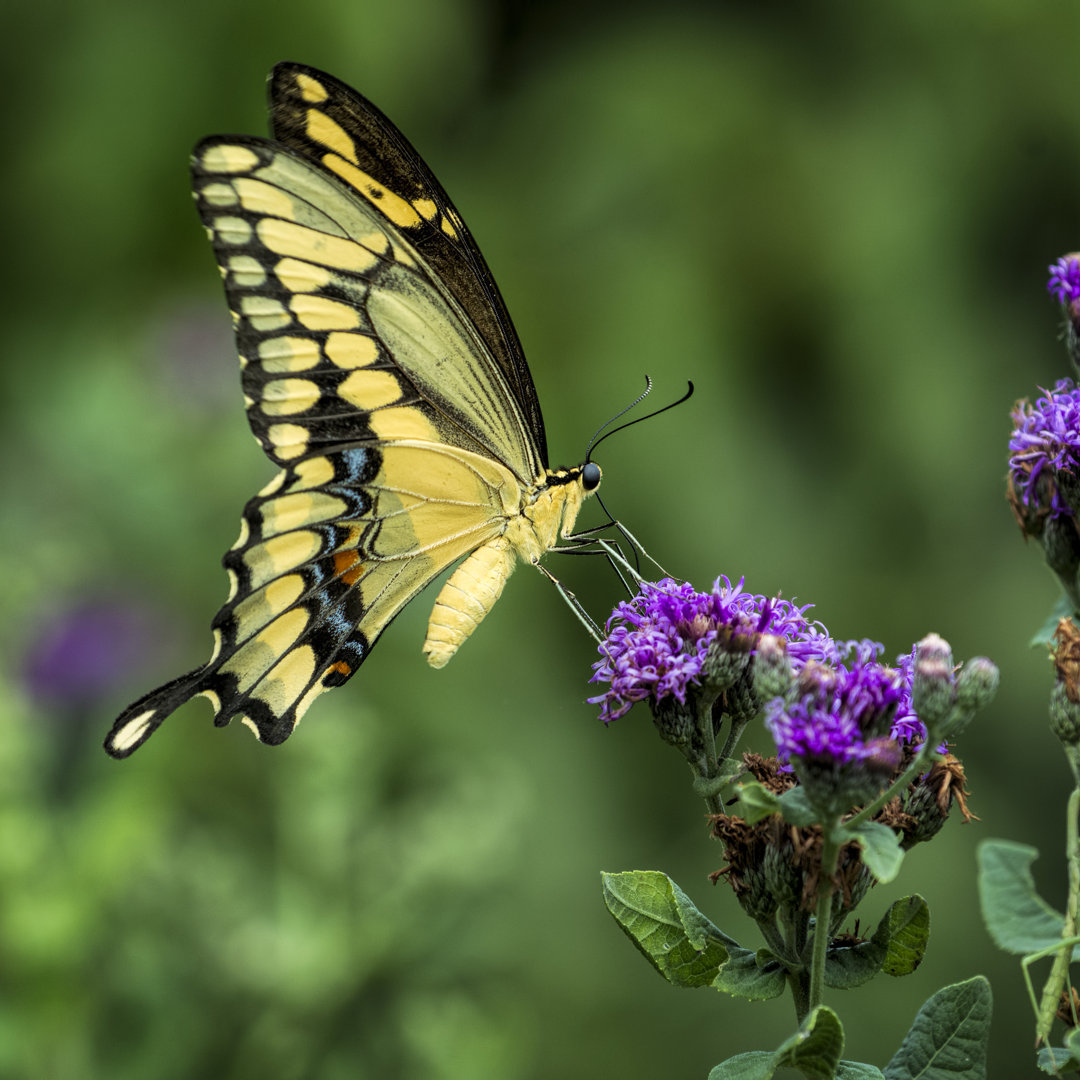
546,513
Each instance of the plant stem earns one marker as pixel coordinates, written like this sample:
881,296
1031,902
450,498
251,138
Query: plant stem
710,762
1059,973
894,789
830,855
737,728
799,981
774,939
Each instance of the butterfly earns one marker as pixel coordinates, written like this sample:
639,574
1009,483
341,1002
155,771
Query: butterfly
381,372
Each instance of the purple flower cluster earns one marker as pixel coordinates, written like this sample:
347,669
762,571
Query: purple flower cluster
837,715
1064,280
1045,435
657,642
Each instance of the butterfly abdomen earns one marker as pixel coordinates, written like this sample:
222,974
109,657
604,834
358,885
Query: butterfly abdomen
468,595
547,512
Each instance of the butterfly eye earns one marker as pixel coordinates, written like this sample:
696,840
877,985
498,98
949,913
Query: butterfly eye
590,476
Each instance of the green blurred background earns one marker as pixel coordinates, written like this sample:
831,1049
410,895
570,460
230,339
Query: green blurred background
835,218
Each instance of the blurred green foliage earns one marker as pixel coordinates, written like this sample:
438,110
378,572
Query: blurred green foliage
833,217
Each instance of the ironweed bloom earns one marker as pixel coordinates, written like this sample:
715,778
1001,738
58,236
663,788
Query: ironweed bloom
1064,280
669,639
1044,445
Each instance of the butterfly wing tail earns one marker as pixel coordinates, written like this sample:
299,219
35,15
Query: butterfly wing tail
140,720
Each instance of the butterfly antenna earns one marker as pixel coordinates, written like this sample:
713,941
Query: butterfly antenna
597,439
611,420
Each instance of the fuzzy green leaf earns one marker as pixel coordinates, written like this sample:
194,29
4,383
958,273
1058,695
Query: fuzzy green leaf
654,913
858,1070
881,851
681,943
909,933
1018,919
796,808
949,1037
814,1050
896,948
1062,1059
755,802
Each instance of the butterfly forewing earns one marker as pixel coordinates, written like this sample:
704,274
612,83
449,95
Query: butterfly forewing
325,121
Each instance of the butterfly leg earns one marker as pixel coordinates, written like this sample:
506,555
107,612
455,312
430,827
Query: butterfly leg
574,604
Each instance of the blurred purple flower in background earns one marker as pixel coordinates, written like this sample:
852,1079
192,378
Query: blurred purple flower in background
82,654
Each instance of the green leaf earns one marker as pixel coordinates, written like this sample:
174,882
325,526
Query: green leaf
858,1070
750,975
814,1050
755,802
881,851
654,912
681,943
796,808
897,947
949,1037
909,932
1045,634
1059,1059
1018,919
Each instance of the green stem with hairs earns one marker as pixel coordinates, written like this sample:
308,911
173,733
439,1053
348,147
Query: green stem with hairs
830,856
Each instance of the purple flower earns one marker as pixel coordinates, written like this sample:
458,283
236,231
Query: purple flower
836,716
658,641
1046,436
1064,280
907,728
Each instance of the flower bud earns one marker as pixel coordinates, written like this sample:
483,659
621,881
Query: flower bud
772,672
976,684
933,691
674,721
1061,547
1064,716
782,876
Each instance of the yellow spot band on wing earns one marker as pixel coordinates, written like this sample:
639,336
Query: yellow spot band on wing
287,679
284,397
330,133
351,350
401,212
261,198
302,277
288,512
369,390
402,423
311,89
223,158
280,354
280,554
301,242
231,230
254,658
319,313
313,472
289,440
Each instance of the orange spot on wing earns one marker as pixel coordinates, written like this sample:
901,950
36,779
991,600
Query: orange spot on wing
340,667
348,567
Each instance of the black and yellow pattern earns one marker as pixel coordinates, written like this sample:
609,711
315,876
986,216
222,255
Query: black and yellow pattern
381,371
